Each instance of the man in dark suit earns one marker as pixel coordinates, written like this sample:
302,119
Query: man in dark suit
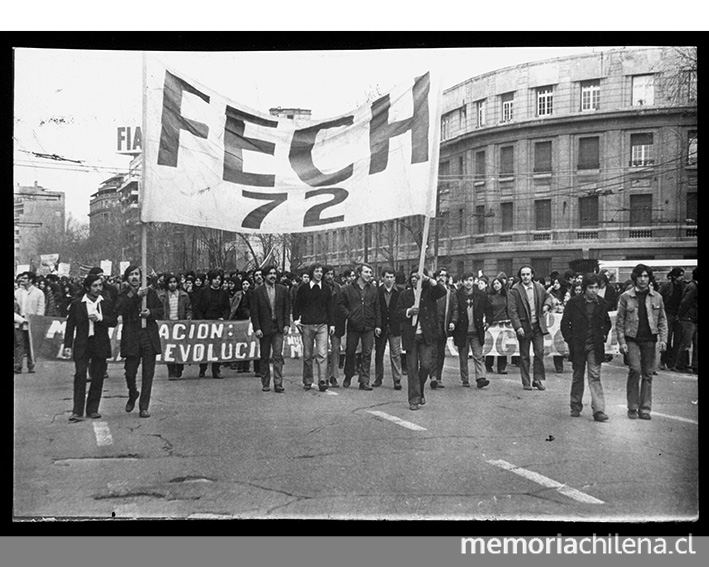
585,325
447,319
419,331
140,341
270,317
89,318
391,331
528,303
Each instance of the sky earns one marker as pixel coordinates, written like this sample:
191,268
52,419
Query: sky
71,102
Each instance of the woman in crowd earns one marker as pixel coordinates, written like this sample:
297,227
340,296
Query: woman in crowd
497,297
242,311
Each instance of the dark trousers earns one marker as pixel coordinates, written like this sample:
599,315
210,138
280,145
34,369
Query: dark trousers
536,341
674,337
215,368
419,360
22,348
501,363
175,370
147,357
353,339
438,358
271,347
96,367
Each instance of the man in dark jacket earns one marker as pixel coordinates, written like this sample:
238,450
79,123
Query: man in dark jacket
419,331
585,325
527,304
140,342
391,331
687,318
672,291
212,303
333,359
360,305
270,318
474,316
90,316
447,319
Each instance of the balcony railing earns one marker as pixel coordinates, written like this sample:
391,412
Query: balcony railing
542,236
640,233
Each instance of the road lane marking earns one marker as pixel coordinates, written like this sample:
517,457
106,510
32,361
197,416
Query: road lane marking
397,420
103,433
547,482
331,393
684,419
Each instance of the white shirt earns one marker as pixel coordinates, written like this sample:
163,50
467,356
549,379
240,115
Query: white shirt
93,308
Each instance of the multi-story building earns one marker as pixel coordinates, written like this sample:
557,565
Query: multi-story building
560,162
38,217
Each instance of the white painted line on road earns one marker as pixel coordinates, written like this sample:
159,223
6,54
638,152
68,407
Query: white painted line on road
547,482
103,433
331,393
684,419
398,421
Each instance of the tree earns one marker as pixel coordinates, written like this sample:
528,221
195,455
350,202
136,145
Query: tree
679,78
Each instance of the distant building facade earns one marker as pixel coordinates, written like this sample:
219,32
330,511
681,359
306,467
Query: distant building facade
559,162
38,212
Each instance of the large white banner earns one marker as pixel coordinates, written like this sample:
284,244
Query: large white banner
213,162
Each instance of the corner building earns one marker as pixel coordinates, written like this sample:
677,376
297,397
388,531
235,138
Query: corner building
558,163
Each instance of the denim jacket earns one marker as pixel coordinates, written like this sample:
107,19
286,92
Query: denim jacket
627,319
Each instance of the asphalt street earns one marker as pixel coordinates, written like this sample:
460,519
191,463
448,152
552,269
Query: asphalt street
225,449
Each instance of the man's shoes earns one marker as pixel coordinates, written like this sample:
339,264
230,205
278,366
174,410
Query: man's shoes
434,384
333,383
538,385
18,370
279,389
663,366
144,413
502,371
94,415
201,374
307,387
600,416
346,382
265,389
422,401
644,415
632,414
217,376
413,407
482,383
376,383
440,385
132,397
527,387
397,385
576,413
364,386
75,417
466,384
322,385
31,370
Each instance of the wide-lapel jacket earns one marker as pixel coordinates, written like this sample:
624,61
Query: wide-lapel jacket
261,316
575,323
518,307
427,317
76,335
389,315
128,306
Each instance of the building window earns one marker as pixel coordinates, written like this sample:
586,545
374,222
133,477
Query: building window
508,102
444,172
480,219
542,157
688,86
507,212
445,126
460,267
505,265
461,165
643,90
640,210
461,221
478,266
445,220
641,150
507,160
545,101
542,214
588,212
480,165
692,148
589,154
692,210
480,113
542,266
590,95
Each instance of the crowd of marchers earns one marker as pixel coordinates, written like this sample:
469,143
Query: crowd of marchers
345,318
